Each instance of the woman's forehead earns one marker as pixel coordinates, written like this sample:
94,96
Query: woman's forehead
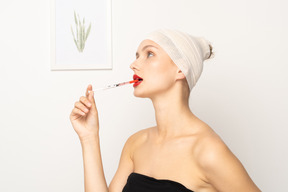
146,42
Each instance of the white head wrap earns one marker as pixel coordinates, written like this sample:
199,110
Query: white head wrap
186,51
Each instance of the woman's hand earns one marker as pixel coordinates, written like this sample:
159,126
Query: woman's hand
84,116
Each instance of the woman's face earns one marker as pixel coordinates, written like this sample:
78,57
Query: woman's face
156,69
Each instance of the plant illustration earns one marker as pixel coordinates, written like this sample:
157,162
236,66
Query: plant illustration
81,34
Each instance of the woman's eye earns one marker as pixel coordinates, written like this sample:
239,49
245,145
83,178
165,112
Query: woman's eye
150,53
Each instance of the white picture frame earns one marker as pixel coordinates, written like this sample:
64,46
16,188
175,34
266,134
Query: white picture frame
81,36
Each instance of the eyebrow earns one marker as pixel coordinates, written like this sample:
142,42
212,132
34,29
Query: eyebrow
145,47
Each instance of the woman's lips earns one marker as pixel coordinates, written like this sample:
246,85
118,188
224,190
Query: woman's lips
139,80
136,77
137,83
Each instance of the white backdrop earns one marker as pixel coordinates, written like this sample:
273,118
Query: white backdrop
242,92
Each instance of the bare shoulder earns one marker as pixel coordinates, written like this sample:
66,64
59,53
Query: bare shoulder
220,166
138,138
211,147
135,140
139,134
126,164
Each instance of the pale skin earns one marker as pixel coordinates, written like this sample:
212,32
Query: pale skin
180,147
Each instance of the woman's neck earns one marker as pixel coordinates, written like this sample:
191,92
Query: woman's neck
172,114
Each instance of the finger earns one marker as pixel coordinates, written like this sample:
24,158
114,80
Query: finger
82,107
91,97
85,101
77,111
93,108
89,88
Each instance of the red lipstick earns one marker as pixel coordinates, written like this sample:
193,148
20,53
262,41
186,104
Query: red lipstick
136,77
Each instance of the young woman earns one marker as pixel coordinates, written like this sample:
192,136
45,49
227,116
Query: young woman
181,152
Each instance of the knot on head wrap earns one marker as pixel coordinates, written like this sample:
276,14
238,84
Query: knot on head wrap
186,51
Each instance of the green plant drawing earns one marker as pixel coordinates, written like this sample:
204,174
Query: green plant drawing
80,33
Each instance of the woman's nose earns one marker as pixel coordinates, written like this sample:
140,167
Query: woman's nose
133,65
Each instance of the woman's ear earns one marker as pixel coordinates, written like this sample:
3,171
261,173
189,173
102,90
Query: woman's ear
180,75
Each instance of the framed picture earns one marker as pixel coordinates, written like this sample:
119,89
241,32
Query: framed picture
81,34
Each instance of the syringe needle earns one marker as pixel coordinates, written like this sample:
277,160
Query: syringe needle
115,85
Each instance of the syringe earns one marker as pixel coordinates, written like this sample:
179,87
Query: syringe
115,85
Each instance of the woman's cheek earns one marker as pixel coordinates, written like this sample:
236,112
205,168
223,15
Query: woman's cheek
160,81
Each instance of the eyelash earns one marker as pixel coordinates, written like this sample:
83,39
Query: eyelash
149,52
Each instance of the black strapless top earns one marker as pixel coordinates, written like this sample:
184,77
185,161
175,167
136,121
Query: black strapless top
137,182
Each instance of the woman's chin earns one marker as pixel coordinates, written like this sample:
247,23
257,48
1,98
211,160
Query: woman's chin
138,93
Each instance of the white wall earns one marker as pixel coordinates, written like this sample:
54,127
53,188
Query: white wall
242,92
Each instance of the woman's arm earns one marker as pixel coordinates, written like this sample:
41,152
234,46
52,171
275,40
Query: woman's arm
94,178
84,119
